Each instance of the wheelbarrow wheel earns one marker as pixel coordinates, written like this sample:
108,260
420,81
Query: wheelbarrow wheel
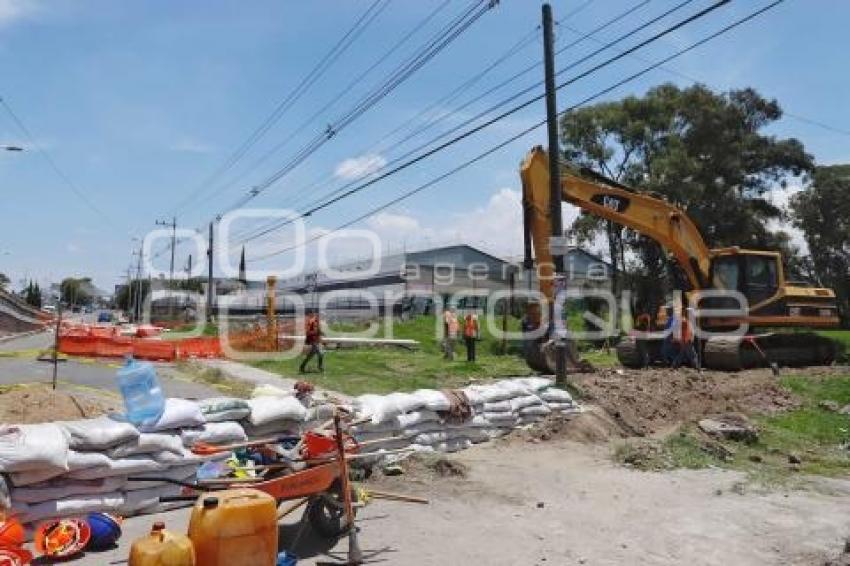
326,512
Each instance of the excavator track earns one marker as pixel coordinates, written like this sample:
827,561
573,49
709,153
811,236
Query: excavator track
734,353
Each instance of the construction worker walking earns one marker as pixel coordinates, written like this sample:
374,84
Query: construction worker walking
313,341
470,335
450,328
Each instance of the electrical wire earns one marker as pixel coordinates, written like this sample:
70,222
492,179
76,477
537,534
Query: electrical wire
530,129
440,42
440,147
331,57
52,163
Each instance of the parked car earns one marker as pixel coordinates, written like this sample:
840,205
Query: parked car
104,316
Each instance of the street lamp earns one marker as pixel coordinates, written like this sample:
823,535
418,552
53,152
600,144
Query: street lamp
11,147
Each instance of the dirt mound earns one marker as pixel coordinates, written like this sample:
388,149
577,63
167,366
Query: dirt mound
38,403
653,401
592,426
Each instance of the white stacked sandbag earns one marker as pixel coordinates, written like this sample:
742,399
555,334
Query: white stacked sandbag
65,488
122,467
74,506
98,434
225,432
220,409
178,414
148,443
27,448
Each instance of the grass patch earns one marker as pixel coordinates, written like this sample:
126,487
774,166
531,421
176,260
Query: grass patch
190,331
842,339
215,378
385,369
817,436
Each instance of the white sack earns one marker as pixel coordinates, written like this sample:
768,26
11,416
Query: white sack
122,467
178,413
518,403
498,407
220,409
19,479
140,500
74,506
556,395
274,428
514,387
147,443
321,413
214,433
33,447
265,410
432,400
489,393
61,488
535,384
98,434
536,410
85,460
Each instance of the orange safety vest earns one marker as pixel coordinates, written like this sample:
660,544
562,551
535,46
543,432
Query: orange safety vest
470,326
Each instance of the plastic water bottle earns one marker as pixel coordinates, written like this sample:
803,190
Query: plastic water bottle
142,393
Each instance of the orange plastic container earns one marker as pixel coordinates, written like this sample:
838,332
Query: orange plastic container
162,548
235,527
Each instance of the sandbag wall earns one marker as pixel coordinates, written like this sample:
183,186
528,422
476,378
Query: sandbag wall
70,468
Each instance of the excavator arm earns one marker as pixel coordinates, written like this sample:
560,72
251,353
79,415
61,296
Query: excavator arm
651,216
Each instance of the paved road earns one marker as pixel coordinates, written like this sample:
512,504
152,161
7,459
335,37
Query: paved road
84,373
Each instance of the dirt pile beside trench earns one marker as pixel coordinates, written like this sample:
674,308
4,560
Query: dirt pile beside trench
654,401
38,403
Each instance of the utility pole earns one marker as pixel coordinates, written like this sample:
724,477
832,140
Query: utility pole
173,225
210,284
137,307
129,286
554,183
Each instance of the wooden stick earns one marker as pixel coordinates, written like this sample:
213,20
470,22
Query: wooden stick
398,497
283,513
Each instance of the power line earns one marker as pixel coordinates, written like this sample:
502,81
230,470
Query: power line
347,90
294,95
510,79
690,78
52,164
517,47
406,164
530,129
437,44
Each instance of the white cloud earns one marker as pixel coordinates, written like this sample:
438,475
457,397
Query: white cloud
389,223
355,167
780,197
14,10
189,145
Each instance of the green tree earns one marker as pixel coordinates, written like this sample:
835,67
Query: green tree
32,294
702,150
126,297
4,281
822,211
74,291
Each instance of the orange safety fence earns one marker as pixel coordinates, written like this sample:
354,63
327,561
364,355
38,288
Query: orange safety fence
201,347
154,350
77,341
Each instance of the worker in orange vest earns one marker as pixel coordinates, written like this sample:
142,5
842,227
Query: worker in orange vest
450,327
313,341
470,335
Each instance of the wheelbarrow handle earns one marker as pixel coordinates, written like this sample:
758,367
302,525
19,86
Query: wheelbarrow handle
177,498
190,485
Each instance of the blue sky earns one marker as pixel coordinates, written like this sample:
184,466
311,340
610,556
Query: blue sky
139,102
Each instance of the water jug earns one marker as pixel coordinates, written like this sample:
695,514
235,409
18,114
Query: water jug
235,527
142,394
162,548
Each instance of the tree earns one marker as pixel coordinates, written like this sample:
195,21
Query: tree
4,281
822,211
702,151
32,294
75,291
126,297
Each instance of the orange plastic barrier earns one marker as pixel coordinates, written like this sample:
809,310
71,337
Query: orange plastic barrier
77,345
105,342
114,347
154,350
202,347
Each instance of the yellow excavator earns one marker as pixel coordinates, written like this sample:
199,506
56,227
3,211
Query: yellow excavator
772,303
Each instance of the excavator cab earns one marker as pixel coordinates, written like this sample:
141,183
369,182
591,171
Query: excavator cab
756,275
